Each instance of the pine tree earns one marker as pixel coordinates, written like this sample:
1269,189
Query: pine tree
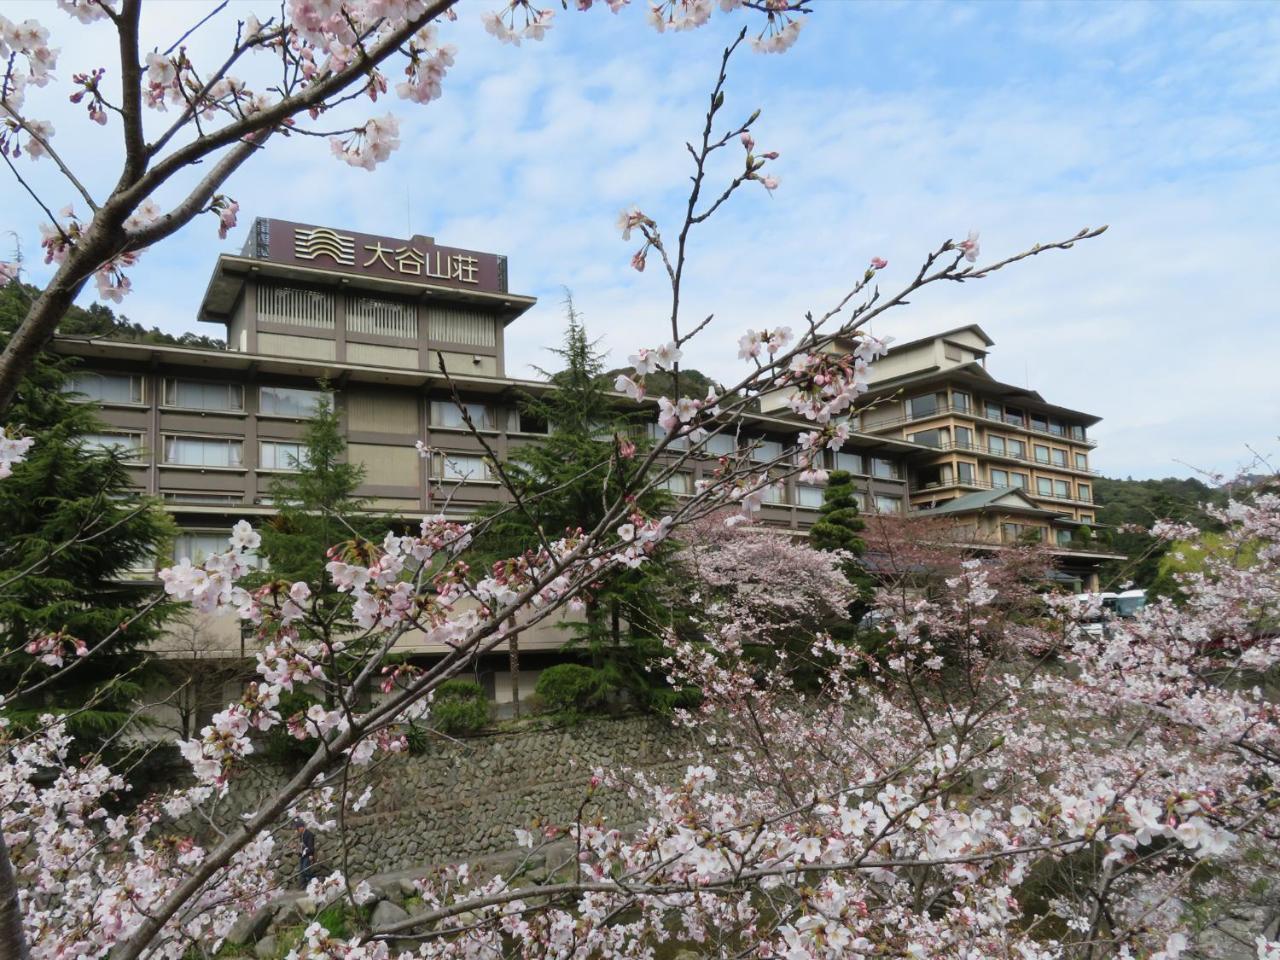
72,527
839,527
565,480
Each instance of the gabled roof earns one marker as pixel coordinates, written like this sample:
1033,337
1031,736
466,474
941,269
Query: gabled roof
1001,498
944,335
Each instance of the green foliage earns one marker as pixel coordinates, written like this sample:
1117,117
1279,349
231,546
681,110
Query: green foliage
460,716
71,528
99,320
1142,503
460,706
572,688
282,746
565,479
459,689
318,510
839,527
317,504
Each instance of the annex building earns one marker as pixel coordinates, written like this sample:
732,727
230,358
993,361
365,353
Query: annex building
376,317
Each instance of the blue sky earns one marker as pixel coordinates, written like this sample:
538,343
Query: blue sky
899,125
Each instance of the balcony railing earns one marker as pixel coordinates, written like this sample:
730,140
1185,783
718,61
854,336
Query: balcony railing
918,488
971,411
1024,458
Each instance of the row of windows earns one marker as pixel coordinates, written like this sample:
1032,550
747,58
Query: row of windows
1000,445
966,473
197,394
929,404
1023,532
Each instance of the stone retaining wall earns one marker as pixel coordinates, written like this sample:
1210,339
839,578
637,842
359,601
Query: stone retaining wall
463,799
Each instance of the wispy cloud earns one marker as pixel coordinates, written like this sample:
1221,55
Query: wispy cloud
899,125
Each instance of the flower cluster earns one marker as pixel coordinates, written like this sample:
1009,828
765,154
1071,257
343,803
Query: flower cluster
825,385
13,450
518,20
755,163
646,361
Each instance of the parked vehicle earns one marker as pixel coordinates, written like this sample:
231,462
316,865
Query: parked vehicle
1109,607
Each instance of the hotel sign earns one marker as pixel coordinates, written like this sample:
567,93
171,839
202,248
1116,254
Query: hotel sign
417,260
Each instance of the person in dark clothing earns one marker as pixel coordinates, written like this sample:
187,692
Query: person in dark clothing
306,853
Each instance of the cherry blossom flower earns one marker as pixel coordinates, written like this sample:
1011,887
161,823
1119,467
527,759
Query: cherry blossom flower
969,246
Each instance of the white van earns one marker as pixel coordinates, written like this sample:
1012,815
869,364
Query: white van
1108,607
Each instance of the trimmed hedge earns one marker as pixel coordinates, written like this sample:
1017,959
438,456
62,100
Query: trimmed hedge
572,687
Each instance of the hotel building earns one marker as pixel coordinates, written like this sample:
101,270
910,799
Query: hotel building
375,317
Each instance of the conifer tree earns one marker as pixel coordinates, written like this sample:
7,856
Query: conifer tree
72,529
563,481
839,527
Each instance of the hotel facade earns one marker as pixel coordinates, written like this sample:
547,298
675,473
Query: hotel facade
376,318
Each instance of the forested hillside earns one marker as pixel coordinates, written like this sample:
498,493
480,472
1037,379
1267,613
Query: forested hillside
1140,503
98,320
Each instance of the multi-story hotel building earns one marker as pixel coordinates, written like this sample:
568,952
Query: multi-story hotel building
1006,464
374,317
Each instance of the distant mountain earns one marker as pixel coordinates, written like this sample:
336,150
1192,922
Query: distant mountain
98,320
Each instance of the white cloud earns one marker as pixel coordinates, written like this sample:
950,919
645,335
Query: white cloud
891,140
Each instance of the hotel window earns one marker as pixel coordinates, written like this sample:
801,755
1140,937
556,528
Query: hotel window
775,493
1042,453
885,469
105,387
964,472
964,438
1063,537
291,402
680,484
927,405
282,455
1018,480
197,395
999,478
1077,431
995,445
522,421
198,546
461,466
930,438
657,435
1017,449
808,495
852,462
1014,416
1015,532
129,445
1082,461
1086,518
1057,428
203,452
887,504
720,445
1059,458
1085,492
446,413
960,401
1062,489
764,451
1039,423
992,410
1044,487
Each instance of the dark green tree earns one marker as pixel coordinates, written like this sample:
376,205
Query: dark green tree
839,527
564,481
72,528
318,514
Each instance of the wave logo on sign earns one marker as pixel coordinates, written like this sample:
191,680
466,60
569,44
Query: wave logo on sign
323,242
